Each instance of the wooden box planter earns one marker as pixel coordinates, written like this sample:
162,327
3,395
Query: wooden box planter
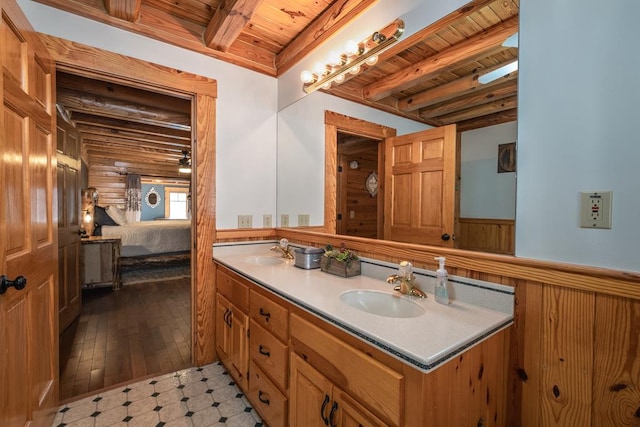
339,268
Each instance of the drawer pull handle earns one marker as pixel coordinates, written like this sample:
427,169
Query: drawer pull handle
266,314
324,405
262,399
263,351
332,414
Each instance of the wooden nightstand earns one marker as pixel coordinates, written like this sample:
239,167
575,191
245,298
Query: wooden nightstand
101,262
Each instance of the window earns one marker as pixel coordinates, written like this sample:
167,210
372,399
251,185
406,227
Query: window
176,203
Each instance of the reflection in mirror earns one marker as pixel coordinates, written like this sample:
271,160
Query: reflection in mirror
359,210
416,84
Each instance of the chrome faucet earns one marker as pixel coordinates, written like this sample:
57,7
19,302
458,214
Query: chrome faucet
283,247
407,281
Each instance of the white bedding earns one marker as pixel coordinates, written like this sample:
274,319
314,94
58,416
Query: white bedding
152,237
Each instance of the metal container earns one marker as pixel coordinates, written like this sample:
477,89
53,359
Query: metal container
308,258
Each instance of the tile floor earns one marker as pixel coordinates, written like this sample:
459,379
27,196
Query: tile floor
205,396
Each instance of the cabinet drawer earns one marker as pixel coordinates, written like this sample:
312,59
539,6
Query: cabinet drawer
266,398
373,384
272,355
270,315
235,291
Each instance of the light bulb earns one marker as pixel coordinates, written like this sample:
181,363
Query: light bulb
307,77
339,78
327,85
372,60
355,69
320,69
351,48
335,59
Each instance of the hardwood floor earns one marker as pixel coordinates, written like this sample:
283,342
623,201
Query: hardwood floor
140,330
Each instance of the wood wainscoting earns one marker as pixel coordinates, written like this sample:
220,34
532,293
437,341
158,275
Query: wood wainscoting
487,235
573,356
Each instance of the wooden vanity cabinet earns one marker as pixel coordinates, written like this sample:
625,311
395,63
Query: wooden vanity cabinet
298,369
232,325
349,375
269,357
316,401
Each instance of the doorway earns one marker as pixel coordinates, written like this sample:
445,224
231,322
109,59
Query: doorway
358,203
144,328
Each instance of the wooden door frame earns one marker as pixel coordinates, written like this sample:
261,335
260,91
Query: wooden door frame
334,123
92,62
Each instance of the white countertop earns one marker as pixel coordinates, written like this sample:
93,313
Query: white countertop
425,341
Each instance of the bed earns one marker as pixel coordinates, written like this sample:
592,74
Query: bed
152,238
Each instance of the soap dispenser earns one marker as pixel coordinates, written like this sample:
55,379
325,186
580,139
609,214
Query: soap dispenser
442,293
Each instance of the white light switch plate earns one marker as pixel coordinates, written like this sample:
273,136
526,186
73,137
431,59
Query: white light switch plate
595,209
245,221
303,220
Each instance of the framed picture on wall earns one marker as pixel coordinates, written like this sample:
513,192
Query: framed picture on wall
507,157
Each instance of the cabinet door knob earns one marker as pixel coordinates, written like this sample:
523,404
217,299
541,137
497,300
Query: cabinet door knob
324,405
5,283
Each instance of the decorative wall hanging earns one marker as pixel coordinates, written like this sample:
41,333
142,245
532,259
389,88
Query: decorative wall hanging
372,184
152,198
507,157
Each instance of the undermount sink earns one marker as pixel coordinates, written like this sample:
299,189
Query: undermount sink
265,260
382,303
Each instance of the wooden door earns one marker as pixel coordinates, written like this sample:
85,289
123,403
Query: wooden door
421,187
350,413
223,328
69,223
239,347
310,397
28,246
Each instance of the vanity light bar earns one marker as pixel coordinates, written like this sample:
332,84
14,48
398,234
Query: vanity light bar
367,53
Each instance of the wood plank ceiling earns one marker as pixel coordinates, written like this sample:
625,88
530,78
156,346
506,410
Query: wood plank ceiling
431,76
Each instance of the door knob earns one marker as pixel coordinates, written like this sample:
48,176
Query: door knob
5,283
445,237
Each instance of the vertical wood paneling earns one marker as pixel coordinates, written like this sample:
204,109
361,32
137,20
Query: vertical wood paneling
616,380
487,235
567,356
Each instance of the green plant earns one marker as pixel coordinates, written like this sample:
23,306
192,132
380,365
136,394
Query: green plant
342,254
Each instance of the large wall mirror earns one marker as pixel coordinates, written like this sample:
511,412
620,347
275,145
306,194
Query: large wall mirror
473,90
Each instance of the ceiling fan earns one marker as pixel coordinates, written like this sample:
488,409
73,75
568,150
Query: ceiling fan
185,163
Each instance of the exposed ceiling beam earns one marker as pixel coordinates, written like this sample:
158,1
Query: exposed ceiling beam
117,125
480,110
228,22
105,142
114,108
129,10
96,132
320,30
474,47
481,97
456,88
489,120
123,93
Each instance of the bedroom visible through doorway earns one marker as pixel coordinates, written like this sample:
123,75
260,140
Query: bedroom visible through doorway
144,328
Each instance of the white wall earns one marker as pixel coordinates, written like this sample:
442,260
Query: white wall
485,193
577,129
301,151
246,109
